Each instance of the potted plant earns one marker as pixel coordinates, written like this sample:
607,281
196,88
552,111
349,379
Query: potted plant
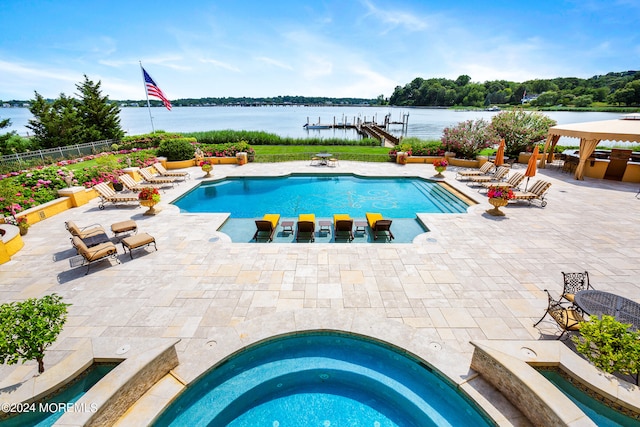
440,166
21,222
206,167
149,197
499,196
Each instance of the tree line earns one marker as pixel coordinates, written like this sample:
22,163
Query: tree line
616,89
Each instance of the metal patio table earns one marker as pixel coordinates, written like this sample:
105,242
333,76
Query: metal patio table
594,302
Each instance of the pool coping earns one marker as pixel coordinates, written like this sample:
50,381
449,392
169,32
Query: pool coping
421,345
141,362
510,367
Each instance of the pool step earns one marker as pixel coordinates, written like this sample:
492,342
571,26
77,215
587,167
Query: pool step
441,197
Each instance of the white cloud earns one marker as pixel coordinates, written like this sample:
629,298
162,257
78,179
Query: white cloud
274,62
220,64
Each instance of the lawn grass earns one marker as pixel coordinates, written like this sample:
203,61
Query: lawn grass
294,149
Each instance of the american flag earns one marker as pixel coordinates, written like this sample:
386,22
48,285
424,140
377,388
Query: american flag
154,90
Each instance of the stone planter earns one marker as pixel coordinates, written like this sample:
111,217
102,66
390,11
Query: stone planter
151,205
207,170
497,203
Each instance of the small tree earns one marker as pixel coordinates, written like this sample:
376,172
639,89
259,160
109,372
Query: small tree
610,345
28,327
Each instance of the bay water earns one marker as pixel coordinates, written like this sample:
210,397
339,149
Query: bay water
289,121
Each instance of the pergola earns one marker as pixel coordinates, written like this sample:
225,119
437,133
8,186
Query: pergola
626,129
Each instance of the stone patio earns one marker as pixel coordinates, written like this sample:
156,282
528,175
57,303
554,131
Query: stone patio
471,277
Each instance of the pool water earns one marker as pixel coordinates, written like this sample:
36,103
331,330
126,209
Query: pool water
600,413
70,393
321,379
322,195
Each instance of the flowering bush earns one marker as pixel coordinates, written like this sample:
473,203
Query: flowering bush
149,193
500,193
521,129
468,138
19,222
440,163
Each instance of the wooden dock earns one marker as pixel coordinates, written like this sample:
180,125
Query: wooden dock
367,129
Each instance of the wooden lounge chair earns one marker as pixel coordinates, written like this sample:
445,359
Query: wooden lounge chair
513,182
342,226
266,226
107,194
177,174
306,226
379,225
499,175
485,169
148,177
84,232
132,185
567,318
536,192
96,253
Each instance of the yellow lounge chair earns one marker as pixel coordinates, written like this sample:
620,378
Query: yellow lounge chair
268,225
379,225
306,227
342,225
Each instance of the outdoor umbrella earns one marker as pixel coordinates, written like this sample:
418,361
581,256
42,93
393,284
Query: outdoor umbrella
500,154
531,166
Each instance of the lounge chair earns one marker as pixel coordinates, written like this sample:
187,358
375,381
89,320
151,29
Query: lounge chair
567,318
306,227
536,192
163,172
107,194
379,225
96,253
485,169
148,177
84,232
267,226
499,175
513,182
342,226
132,185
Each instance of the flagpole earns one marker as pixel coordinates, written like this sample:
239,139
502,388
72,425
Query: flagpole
147,94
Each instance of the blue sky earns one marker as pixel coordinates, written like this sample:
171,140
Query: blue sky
348,48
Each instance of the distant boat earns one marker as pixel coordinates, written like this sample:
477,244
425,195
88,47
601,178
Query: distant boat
316,126
493,108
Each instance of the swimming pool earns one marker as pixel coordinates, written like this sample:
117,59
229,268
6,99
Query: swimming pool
321,379
322,195
53,407
599,412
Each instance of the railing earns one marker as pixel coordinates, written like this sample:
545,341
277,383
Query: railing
52,155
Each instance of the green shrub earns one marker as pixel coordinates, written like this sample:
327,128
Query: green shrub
176,149
610,345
